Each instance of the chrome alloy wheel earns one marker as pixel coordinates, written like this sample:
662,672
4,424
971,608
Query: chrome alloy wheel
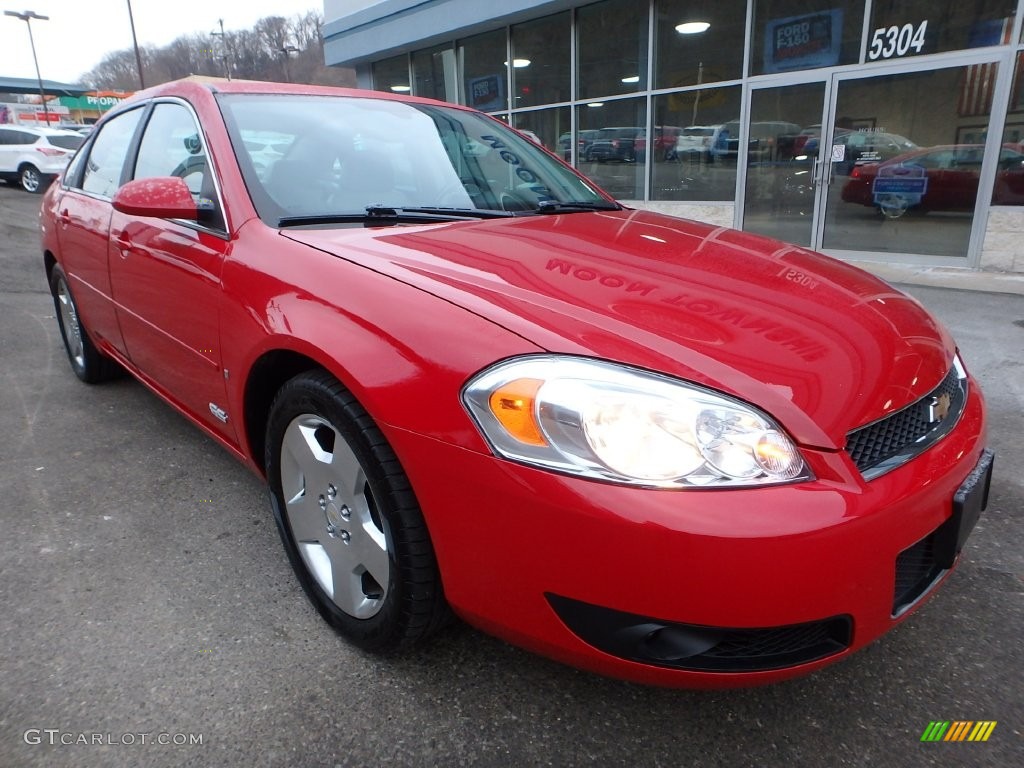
31,179
69,319
333,516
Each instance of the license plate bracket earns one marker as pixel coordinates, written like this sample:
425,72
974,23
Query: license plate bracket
969,501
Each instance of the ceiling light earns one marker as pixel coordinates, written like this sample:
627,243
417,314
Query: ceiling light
401,88
596,104
631,79
693,27
518,63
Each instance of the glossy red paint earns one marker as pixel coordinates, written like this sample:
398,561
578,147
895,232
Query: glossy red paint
166,198
404,315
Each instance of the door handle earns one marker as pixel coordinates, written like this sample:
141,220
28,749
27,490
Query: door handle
65,217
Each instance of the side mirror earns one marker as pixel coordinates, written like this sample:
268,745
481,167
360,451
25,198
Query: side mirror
162,197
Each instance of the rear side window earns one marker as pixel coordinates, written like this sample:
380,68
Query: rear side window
66,142
106,156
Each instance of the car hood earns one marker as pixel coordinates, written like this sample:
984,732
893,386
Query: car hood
818,344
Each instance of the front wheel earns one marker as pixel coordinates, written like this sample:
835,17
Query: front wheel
348,518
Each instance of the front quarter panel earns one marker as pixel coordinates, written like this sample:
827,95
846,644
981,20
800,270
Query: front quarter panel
404,353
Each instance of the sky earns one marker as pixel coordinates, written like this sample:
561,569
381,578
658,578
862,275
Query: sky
80,32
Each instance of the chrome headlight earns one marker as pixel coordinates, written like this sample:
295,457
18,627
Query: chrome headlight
610,422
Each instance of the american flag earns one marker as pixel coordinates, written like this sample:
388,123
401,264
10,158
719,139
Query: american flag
979,80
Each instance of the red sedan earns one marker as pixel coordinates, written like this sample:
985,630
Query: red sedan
943,178
474,383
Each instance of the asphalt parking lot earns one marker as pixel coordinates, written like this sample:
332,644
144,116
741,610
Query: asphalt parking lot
145,597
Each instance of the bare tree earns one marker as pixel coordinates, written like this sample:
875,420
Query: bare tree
252,54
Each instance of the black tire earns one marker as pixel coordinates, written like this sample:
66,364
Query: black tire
88,363
31,180
411,605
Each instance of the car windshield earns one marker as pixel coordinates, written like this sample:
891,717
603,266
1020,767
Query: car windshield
335,155
698,131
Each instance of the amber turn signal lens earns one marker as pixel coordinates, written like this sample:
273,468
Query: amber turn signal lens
513,406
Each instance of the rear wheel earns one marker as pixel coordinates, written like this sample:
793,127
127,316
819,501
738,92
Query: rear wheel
348,518
31,179
88,363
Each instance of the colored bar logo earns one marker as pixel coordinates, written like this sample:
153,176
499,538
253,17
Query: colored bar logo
958,730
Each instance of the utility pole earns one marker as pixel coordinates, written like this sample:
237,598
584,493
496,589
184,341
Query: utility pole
135,43
223,48
27,17
287,50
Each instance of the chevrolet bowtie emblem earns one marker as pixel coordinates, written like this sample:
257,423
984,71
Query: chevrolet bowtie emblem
938,408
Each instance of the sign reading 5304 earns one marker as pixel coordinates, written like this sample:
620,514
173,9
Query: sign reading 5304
888,42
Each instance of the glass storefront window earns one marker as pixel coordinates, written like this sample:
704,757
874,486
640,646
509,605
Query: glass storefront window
1009,186
433,73
907,153
690,131
804,34
607,145
392,75
901,28
698,42
484,76
551,128
540,61
782,150
612,52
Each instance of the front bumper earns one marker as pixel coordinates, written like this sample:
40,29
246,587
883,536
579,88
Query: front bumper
513,541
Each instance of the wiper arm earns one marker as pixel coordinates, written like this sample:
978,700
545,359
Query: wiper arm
575,206
382,214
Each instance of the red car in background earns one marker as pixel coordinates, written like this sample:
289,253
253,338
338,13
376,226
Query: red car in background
652,448
942,178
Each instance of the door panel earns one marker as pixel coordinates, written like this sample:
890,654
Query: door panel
165,275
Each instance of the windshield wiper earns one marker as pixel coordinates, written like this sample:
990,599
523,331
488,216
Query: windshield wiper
575,206
382,214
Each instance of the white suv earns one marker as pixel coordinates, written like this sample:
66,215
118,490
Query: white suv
33,157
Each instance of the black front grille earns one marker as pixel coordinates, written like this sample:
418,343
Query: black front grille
889,442
702,648
916,570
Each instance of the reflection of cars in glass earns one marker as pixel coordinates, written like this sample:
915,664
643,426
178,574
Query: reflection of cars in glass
868,147
943,178
769,140
468,376
33,157
697,140
664,143
615,143
565,144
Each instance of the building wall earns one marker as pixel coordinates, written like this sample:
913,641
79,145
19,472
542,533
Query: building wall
888,79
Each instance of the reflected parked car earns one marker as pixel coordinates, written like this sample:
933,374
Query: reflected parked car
769,140
474,383
34,157
664,143
860,147
943,178
618,143
697,141
565,144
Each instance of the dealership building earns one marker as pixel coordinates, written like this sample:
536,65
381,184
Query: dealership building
875,130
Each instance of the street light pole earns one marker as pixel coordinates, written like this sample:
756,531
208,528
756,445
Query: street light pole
27,17
135,44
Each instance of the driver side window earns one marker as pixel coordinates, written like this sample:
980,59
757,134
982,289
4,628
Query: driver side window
172,146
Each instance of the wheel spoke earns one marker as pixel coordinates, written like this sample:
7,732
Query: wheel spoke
372,552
